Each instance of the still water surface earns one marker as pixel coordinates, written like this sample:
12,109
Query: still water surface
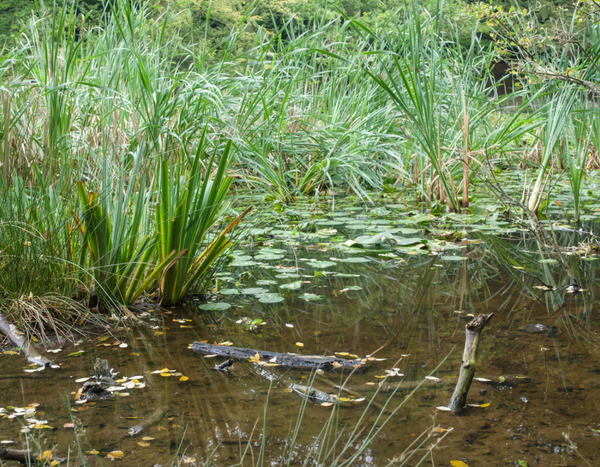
540,352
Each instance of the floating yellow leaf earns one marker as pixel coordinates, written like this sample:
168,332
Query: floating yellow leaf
115,455
165,374
299,344
255,358
458,464
46,456
148,438
183,378
41,426
487,404
343,354
144,445
288,390
11,352
94,453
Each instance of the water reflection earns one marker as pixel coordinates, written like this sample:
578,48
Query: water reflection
542,384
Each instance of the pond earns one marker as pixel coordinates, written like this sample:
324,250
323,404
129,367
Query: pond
391,282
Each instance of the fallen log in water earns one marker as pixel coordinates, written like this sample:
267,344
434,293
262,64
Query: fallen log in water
18,455
469,362
11,331
276,359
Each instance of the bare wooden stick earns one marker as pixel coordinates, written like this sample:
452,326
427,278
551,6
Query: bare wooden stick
469,362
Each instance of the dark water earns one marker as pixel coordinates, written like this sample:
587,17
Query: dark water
543,393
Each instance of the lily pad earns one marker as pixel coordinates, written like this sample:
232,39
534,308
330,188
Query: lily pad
254,291
292,285
320,264
243,263
220,306
270,298
268,257
229,291
266,282
355,259
310,297
383,238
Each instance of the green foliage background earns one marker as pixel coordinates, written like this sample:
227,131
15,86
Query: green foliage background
209,22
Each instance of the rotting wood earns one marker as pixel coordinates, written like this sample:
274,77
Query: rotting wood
274,358
19,455
469,362
12,333
155,417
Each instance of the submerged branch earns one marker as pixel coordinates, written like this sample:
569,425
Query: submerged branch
12,333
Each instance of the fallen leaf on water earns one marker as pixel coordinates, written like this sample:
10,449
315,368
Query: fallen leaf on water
343,354
288,325
458,464
123,345
433,378
188,460
94,452
444,409
210,356
288,390
165,374
299,344
11,352
78,395
115,455
41,426
183,378
502,379
326,404
439,429
483,380
82,380
68,425
45,456
370,384
144,445
487,404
